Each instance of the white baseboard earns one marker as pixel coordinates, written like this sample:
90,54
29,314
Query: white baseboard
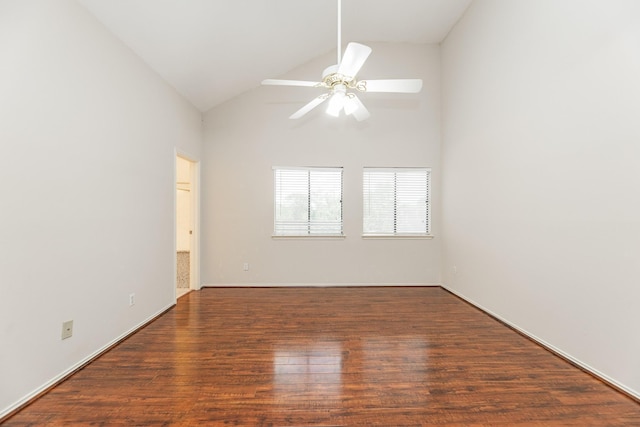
80,364
315,285
603,377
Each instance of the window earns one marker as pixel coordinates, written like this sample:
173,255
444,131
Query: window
308,201
396,201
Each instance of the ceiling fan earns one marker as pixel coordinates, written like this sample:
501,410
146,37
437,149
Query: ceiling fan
341,82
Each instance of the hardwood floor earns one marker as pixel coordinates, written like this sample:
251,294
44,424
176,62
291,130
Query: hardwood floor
329,357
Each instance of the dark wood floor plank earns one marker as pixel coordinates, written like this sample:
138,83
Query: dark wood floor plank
329,357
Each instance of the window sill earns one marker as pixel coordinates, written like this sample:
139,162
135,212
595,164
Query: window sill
398,236
310,237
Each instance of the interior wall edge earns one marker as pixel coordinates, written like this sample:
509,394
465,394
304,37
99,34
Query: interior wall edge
12,409
618,386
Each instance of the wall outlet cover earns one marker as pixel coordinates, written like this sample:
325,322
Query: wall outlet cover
67,329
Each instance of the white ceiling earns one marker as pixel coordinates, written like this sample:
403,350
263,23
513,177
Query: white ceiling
213,50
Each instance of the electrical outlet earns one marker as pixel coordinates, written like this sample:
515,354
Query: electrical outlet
245,266
455,269
67,329
132,299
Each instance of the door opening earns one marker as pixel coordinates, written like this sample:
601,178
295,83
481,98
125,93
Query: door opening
186,242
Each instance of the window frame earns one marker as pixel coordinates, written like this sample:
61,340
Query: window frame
309,223
428,234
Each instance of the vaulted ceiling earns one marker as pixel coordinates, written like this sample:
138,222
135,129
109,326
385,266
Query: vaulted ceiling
213,50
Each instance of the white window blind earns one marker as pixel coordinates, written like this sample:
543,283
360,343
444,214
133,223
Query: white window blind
308,201
396,201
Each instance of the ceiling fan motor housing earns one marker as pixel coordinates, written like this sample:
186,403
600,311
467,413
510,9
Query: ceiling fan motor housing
332,79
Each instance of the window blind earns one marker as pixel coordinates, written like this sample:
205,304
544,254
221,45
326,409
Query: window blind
308,201
396,201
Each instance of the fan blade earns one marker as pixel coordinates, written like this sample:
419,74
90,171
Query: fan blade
354,106
275,82
310,106
353,59
393,85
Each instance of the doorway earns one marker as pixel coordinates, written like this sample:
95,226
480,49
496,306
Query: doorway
186,217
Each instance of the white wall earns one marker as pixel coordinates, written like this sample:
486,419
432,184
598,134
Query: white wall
541,161
87,190
183,205
247,136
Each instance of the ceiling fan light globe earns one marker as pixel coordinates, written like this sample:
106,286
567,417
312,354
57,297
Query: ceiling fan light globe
350,106
336,104
333,113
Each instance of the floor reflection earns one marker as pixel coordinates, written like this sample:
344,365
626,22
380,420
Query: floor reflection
404,358
304,370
